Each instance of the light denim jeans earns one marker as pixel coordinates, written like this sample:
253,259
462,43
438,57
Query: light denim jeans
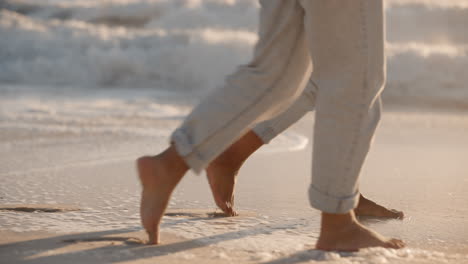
345,41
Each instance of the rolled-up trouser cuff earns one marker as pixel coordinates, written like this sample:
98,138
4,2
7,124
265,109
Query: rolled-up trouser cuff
192,158
265,132
332,204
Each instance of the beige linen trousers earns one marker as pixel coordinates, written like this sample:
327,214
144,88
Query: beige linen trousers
344,41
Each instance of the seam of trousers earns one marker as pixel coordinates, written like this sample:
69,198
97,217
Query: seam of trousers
321,199
267,132
365,84
194,159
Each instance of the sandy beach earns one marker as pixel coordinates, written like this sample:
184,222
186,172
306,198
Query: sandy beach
418,165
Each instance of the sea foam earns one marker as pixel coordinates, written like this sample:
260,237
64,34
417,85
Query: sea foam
190,46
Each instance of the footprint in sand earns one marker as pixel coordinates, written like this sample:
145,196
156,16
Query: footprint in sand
204,213
41,208
110,239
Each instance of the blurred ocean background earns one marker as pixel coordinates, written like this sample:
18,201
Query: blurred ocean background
73,65
188,46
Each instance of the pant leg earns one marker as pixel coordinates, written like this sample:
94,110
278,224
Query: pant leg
255,92
347,49
269,129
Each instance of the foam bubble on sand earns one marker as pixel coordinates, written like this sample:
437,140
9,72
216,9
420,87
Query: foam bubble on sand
266,240
368,256
287,141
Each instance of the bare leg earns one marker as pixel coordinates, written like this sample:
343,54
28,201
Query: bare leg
223,170
342,232
159,176
222,173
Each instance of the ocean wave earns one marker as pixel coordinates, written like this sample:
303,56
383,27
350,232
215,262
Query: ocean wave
52,52
141,13
190,45
430,74
432,24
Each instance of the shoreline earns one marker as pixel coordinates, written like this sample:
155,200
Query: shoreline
105,247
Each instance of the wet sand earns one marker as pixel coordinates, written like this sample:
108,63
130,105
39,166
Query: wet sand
417,164
105,247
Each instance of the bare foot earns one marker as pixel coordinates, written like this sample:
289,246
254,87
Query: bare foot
222,171
222,174
159,176
367,207
222,180
342,232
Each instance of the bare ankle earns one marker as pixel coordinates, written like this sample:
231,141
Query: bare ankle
165,168
336,220
239,151
172,161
